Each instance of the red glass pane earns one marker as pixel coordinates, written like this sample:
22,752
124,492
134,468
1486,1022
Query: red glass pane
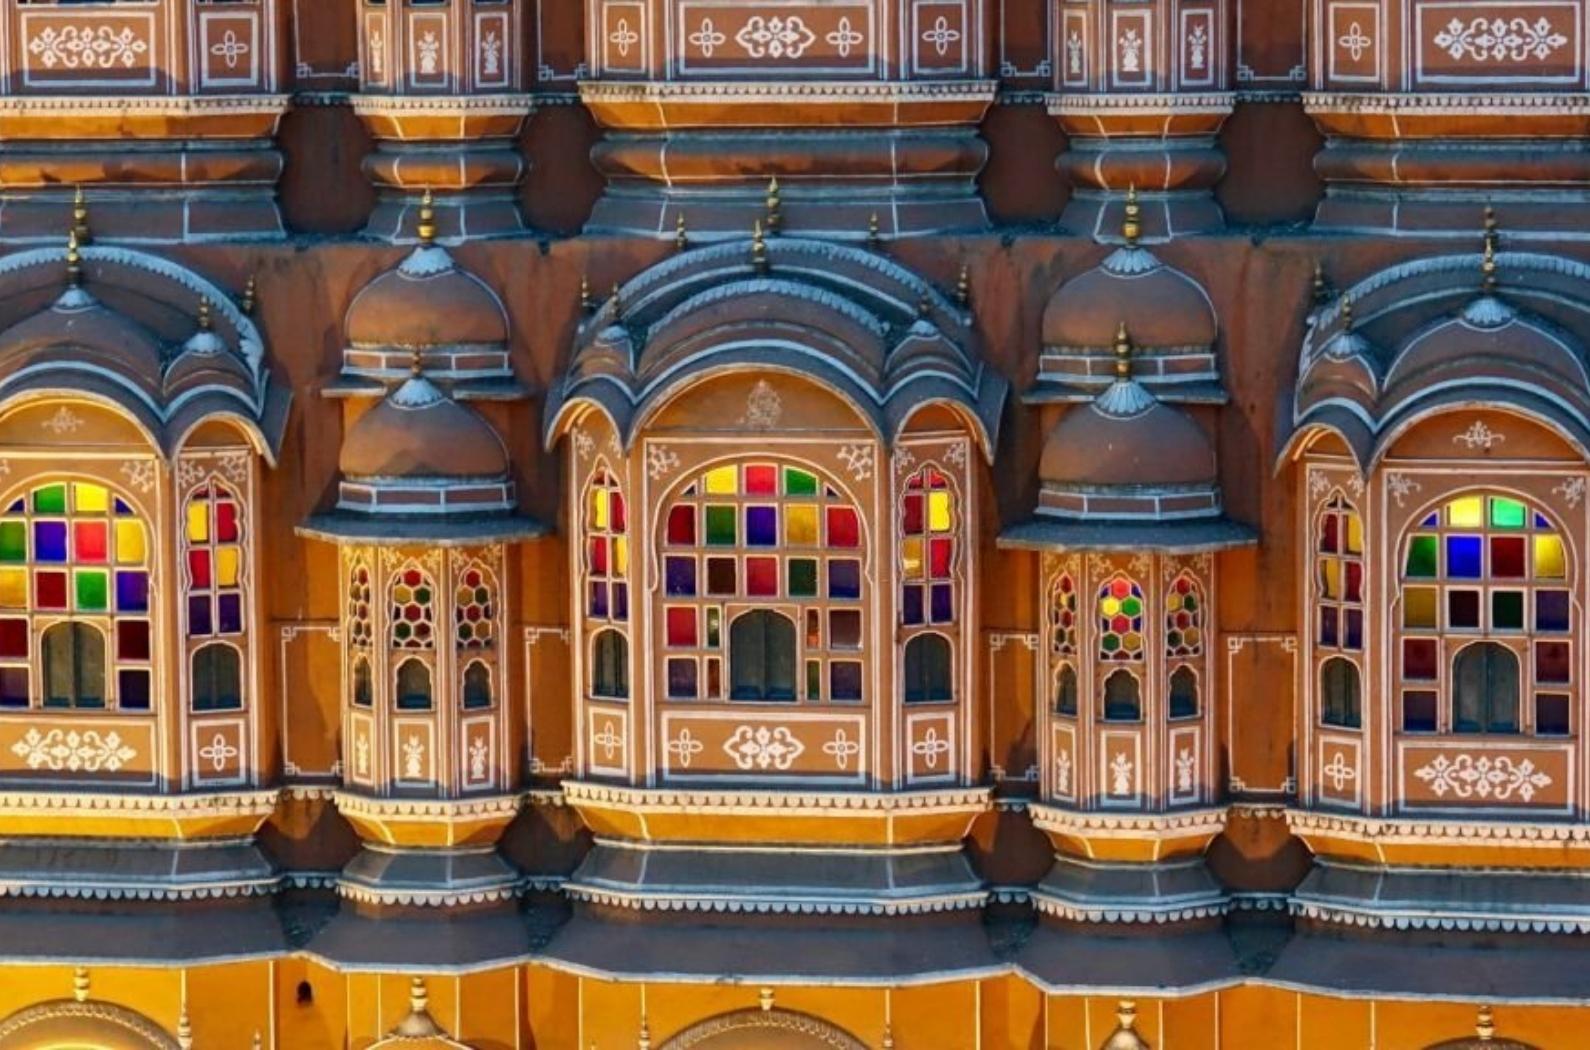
132,640
14,639
682,627
412,577
226,522
1183,585
1327,534
91,539
199,568
617,521
1120,588
1552,663
761,481
912,515
599,556
1418,658
1507,557
761,577
1355,582
937,480
940,554
844,527
50,590
682,526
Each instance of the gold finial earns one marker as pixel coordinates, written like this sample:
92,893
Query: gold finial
888,1038
74,261
1484,1024
80,217
758,248
1123,353
416,366
586,302
1131,226
765,998
1322,288
419,999
924,305
681,235
250,296
184,1029
643,1040
1488,257
618,303
775,208
427,224
80,984
259,1041
1347,311
963,287
872,231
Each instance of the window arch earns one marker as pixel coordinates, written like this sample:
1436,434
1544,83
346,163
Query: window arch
217,677
363,682
1123,698
610,665
77,553
928,669
413,610
1183,693
1339,577
606,550
762,656
760,533
414,685
1341,694
1065,690
475,609
1063,616
927,549
477,685
213,538
1120,620
1485,567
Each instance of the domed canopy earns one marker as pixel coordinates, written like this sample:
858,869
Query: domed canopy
1127,472
426,302
419,433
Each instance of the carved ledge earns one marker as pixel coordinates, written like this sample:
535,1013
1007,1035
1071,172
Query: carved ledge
1128,837
1447,843
141,117
428,823
108,815
657,105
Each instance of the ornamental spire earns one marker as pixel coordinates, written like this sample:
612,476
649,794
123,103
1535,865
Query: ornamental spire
1488,256
427,224
250,296
758,248
681,234
775,208
1131,223
1123,354
80,226
74,261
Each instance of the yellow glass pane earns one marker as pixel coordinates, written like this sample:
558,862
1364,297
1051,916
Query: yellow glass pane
14,588
1110,606
226,566
129,542
1419,607
90,499
800,526
1330,577
1550,561
620,556
198,522
723,481
599,508
1355,534
1466,513
939,511
913,556
1173,601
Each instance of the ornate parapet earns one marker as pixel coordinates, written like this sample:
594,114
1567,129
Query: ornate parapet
165,113
860,133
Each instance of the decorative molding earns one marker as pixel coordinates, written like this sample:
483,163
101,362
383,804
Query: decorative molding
791,803
652,900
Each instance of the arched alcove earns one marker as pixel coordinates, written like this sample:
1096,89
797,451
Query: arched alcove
763,1030
70,1025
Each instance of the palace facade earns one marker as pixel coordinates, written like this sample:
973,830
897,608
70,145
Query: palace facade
794,524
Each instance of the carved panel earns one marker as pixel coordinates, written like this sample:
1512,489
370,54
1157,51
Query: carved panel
771,745
623,42
930,747
942,35
1499,43
79,750
760,39
430,52
217,751
1185,772
1064,766
494,51
1120,769
413,752
1485,774
362,760
477,759
89,48
1339,777
231,51
1132,45
607,740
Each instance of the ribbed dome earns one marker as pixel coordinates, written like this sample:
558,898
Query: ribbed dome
1166,308
417,431
427,301
1127,438
1488,330
78,320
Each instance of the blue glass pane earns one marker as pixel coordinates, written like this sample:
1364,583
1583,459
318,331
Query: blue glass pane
844,579
943,603
682,679
49,541
230,612
620,601
1551,610
1463,557
132,591
761,526
16,507
598,602
680,574
122,507
1541,522
199,623
1432,521
911,610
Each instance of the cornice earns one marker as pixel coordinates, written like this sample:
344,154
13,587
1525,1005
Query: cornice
1211,102
791,905
1428,831
144,105
416,897
215,804
1128,914
780,802
1457,105
1096,824
109,891
719,92
426,809
1340,914
473,105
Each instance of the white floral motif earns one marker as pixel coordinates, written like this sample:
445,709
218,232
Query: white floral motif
1120,775
430,49
491,53
230,48
140,473
1184,771
584,444
64,421
608,740
235,466
75,751
660,461
1571,490
1498,777
218,752
623,37
1516,40
1400,486
1062,773
763,407
479,751
685,746
377,53
843,38
413,758
1355,41
1074,53
1197,46
1338,772
941,36
1478,435
955,454
763,748
707,38
775,37
1131,46
841,748
930,747
87,47
858,460
361,756
1318,483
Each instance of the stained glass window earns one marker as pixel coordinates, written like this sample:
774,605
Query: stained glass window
1184,618
1063,617
1120,620
762,533
1484,566
78,552
927,549
361,632
213,545
413,610
1339,568
474,610
606,550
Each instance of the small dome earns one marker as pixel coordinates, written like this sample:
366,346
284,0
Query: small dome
1486,336
77,320
427,301
419,432
1166,308
1126,437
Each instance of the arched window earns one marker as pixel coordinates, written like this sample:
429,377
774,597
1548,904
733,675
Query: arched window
762,657
610,665
1120,620
1341,694
762,533
927,669
217,678
74,666
606,550
474,610
1065,690
1063,617
413,610
1183,693
213,540
360,630
413,685
1339,569
477,686
1123,701
74,552
927,549
363,683
1485,689
1485,567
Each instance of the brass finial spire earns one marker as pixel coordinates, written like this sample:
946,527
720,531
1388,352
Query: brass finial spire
681,234
204,315
1123,353
1488,257
872,230
924,305
586,302
416,365
888,1038
74,261
1125,1034
775,208
1347,311
1484,1024
1131,224
618,303
419,999
1322,287
80,984
765,999
427,224
250,296
963,287
643,1039
758,248
184,1028
80,217
259,1041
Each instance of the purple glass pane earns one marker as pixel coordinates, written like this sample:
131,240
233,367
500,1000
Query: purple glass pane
943,602
49,540
199,616
230,613
1551,610
133,690
682,679
13,687
1355,629
844,578
598,599
911,607
1328,627
620,601
132,591
680,574
761,526
844,680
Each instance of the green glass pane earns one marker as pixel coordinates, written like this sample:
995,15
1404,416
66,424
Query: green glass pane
1421,557
93,590
799,482
1110,643
720,526
51,499
802,578
1190,602
1506,513
13,541
814,679
1507,611
1131,607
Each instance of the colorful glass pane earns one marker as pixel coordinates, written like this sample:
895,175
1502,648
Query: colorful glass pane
799,482
1506,513
1422,557
722,481
51,499
13,541
1467,512
1551,562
